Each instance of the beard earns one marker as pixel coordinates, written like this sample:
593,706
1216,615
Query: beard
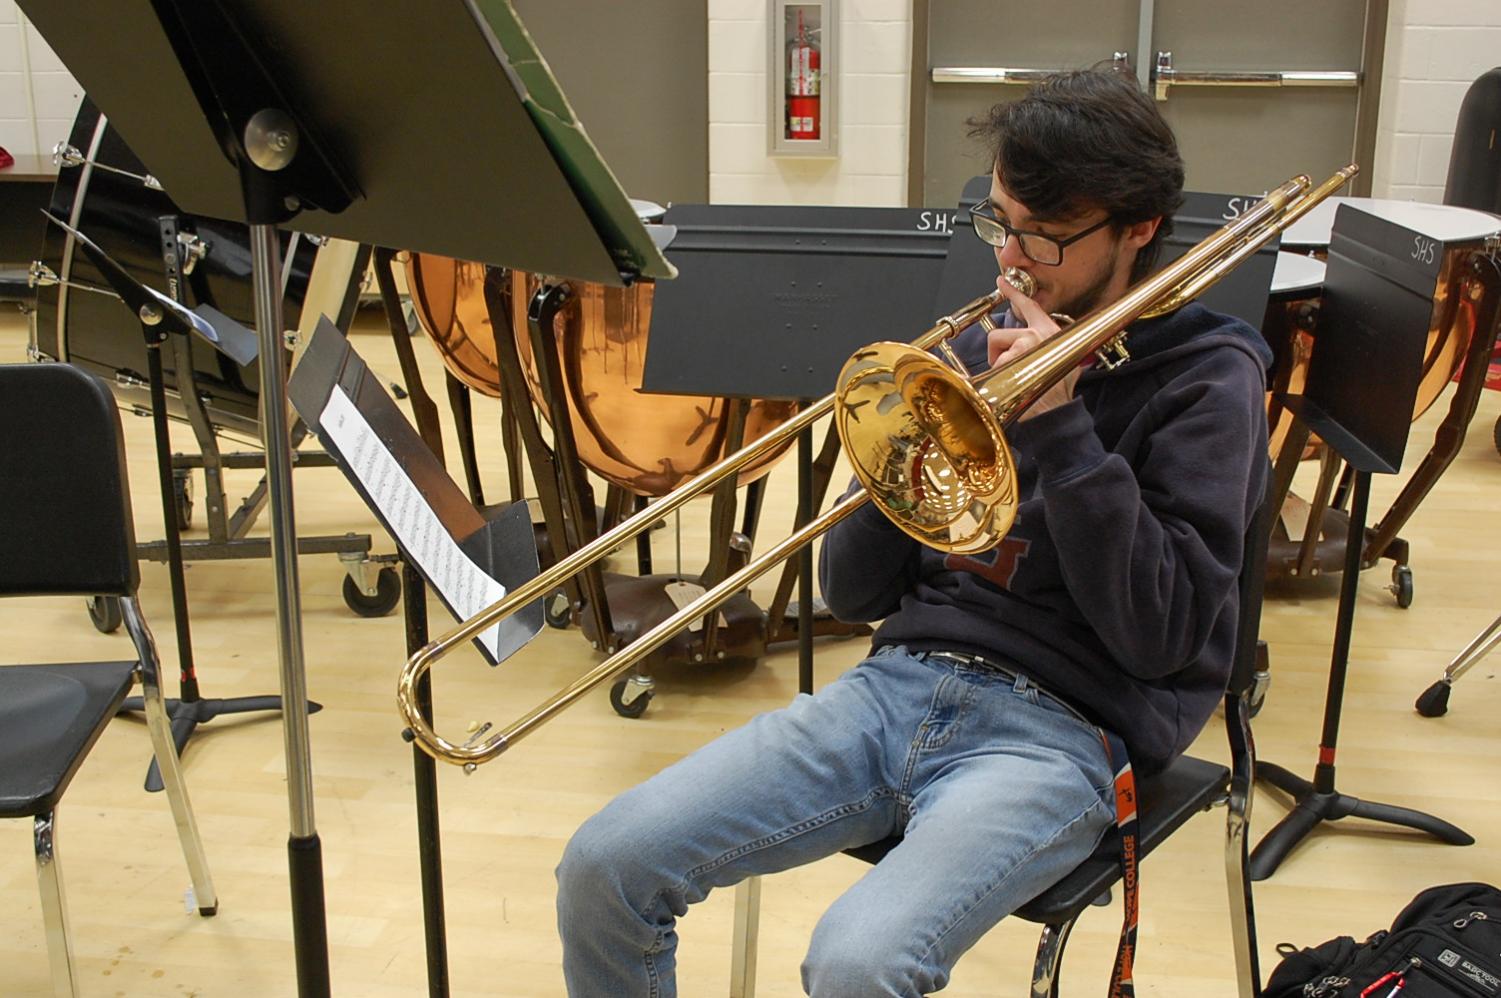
1088,298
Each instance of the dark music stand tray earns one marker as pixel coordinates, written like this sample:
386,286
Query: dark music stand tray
323,118
1372,332
770,303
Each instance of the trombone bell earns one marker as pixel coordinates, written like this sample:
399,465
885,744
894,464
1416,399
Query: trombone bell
928,449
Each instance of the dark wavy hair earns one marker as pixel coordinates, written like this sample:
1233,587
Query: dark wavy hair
1087,139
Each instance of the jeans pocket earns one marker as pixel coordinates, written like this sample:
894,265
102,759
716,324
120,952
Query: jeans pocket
946,711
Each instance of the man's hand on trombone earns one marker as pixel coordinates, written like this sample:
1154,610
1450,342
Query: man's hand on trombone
1004,345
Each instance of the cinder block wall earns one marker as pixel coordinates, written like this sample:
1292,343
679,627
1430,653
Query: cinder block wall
875,44
1434,50
38,96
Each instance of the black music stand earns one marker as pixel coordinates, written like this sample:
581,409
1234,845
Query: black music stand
162,317
1373,328
329,118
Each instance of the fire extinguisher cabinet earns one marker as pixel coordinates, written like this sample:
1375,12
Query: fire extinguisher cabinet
802,72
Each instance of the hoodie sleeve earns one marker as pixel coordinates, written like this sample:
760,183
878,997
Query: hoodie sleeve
1151,555
866,565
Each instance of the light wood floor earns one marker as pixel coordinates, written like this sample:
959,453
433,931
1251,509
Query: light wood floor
504,827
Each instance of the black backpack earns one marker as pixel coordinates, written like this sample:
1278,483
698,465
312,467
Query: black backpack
1445,944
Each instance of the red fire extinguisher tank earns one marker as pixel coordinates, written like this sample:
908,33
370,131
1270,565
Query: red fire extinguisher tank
802,85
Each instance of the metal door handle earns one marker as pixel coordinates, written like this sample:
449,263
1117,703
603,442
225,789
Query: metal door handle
1003,74
1164,76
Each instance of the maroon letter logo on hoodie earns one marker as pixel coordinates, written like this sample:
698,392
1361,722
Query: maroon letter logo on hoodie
1001,569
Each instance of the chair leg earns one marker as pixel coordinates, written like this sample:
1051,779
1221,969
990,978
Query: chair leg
1049,959
747,930
1237,845
54,905
160,727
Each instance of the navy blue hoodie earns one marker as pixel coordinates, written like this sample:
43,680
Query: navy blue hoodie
1116,587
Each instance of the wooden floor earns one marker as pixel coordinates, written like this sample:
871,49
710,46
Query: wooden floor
504,827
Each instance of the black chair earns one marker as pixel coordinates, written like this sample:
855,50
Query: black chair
1166,801
65,499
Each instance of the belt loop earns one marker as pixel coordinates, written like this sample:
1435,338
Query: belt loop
1019,687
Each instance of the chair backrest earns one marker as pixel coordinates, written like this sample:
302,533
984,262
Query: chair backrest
1252,586
64,494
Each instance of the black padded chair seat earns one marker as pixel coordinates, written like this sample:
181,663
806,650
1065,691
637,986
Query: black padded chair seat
1167,800
50,716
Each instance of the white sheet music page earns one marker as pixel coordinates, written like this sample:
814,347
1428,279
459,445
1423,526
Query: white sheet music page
464,585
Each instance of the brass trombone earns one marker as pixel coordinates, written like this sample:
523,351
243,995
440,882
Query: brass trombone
898,408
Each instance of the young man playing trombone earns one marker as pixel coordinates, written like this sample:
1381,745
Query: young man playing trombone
973,729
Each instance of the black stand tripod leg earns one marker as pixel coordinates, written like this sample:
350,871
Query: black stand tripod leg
186,715
1288,782
1409,818
1287,833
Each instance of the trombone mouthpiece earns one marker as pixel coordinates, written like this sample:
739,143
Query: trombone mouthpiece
1020,280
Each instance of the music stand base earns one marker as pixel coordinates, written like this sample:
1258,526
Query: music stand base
1314,806
186,715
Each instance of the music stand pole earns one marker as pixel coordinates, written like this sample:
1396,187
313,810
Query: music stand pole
304,850
425,787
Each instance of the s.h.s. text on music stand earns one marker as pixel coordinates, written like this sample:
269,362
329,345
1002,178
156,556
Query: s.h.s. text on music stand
330,118
1362,382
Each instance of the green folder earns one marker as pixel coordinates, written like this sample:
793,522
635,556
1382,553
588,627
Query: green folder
590,176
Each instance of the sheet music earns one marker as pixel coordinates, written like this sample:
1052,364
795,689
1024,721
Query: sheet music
463,584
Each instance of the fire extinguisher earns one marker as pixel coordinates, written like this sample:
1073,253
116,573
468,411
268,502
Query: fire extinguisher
802,85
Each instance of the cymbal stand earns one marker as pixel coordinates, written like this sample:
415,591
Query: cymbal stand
189,709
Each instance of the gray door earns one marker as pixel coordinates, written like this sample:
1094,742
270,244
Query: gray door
637,75
1009,34
1235,136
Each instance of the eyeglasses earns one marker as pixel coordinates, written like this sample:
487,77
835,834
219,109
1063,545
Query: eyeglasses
1039,248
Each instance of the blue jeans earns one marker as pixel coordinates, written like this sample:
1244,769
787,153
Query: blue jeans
997,790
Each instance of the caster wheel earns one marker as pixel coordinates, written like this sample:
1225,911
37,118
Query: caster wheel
105,612
557,612
1402,585
1434,701
387,595
182,499
636,707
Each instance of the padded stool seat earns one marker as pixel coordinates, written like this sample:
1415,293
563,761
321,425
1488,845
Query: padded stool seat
50,716
1166,802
